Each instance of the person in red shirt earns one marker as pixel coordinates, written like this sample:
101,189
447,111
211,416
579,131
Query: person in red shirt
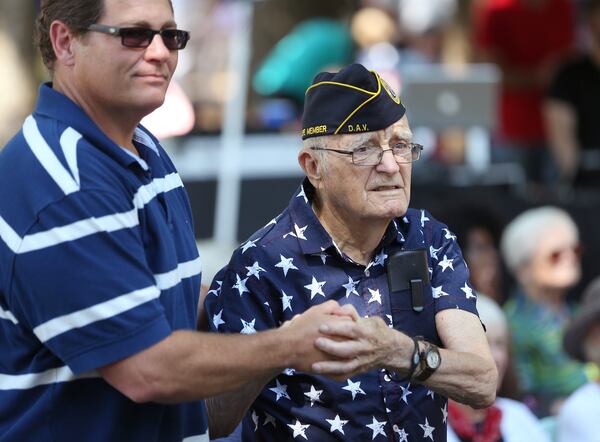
526,39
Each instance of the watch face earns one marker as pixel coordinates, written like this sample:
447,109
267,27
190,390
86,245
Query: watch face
433,359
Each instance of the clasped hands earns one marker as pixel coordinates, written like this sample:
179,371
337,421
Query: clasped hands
345,344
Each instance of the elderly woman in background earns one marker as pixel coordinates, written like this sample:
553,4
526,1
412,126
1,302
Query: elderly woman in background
507,420
579,417
541,250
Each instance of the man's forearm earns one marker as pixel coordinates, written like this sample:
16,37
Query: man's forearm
466,378
226,410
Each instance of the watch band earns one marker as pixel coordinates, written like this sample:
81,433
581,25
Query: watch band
427,370
415,359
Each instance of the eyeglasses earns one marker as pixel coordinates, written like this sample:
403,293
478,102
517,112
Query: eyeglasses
556,256
371,155
174,39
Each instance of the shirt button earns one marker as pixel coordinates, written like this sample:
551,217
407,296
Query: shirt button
367,273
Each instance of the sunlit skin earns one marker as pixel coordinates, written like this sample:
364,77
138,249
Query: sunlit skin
355,204
115,85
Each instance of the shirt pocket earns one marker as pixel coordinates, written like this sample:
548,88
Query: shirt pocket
411,322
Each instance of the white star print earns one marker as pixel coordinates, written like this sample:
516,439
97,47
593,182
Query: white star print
216,291
405,393
380,259
402,435
391,324
302,194
323,255
286,302
375,296
280,390
240,285
438,292
299,429
445,412
336,424
406,221
449,234
377,427
314,395
270,420
427,430
297,233
430,393
248,245
286,264
433,252
445,263
248,327
255,420
423,218
273,221
315,287
289,372
217,319
255,270
468,291
351,287
354,388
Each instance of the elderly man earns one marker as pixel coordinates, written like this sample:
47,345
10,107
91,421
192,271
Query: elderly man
100,273
346,230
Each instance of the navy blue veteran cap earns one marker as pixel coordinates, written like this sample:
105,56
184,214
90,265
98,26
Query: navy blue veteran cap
353,100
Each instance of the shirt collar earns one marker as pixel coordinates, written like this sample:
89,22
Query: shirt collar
302,215
53,104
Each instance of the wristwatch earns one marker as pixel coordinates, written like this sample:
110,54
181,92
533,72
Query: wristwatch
430,361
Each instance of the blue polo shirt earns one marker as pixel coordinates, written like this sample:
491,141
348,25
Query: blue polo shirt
292,264
97,262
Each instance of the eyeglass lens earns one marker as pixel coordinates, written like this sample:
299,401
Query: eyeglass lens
141,38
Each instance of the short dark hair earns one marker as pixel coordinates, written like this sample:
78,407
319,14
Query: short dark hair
78,15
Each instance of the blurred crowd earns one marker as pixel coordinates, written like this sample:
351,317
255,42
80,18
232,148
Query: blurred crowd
543,327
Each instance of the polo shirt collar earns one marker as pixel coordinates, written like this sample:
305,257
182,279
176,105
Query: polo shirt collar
53,104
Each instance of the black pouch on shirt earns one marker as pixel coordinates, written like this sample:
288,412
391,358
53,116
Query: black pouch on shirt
407,269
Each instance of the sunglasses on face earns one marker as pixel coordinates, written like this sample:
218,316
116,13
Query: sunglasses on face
556,256
173,39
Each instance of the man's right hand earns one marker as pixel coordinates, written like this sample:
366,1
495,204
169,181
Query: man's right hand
303,330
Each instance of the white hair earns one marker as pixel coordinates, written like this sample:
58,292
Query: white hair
522,234
490,312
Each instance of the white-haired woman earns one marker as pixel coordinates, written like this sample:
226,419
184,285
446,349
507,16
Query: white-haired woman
542,251
507,420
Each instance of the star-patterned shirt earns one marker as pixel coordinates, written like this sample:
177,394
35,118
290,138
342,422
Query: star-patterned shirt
292,264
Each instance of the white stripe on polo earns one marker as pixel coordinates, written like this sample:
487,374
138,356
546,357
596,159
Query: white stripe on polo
78,229
184,270
147,192
97,312
6,314
32,380
46,157
89,226
9,236
68,142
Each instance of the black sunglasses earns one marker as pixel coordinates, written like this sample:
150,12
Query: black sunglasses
174,39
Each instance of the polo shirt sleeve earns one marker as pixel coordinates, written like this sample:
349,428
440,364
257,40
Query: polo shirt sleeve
82,284
449,273
241,298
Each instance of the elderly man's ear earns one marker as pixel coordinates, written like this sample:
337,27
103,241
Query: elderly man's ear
310,162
